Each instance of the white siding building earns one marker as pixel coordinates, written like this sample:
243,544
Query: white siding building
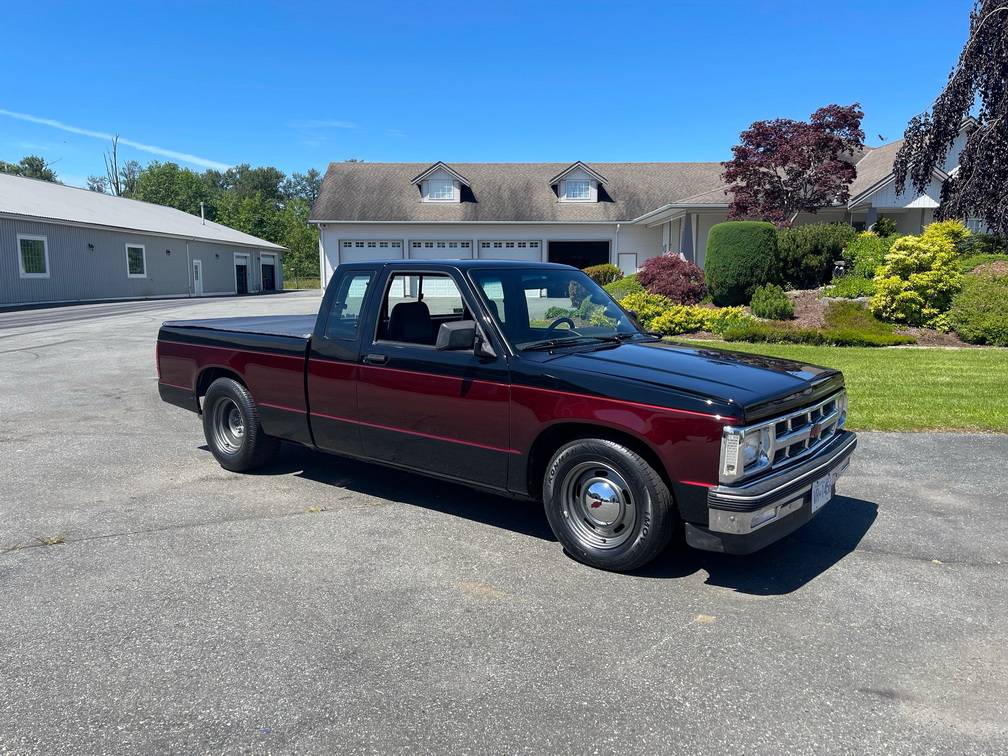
580,214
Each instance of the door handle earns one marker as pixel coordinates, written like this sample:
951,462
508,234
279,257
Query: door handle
376,359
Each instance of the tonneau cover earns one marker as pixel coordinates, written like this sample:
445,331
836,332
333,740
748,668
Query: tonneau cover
297,326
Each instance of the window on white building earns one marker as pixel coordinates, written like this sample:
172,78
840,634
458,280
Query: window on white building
136,261
33,256
440,190
577,189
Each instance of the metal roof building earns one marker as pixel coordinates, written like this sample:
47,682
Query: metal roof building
63,244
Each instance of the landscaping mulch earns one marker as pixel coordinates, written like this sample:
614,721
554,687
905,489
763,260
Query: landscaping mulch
929,337
809,309
996,268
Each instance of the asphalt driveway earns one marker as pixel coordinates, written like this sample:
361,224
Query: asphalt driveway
325,605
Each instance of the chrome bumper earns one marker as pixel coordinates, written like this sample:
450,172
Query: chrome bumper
746,517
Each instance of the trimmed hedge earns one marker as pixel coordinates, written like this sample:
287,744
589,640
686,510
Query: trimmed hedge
979,313
807,253
603,274
628,285
847,324
741,255
660,314
772,303
673,277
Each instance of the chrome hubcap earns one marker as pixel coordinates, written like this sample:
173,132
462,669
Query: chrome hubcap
598,505
228,425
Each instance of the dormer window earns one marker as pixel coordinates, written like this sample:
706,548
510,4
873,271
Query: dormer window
442,183
578,182
440,189
577,189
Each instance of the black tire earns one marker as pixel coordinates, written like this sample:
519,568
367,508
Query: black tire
227,407
590,479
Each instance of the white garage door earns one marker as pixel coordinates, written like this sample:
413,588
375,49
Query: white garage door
440,249
362,250
510,250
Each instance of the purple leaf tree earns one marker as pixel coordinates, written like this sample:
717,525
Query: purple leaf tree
783,167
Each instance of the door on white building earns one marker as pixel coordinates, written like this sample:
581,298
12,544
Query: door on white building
197,277
364,250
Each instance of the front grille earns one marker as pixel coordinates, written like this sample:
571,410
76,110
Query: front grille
800,433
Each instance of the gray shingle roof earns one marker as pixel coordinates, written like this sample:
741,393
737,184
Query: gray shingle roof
506,192
874,166
522,191
48,201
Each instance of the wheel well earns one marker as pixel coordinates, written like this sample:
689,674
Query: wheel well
209,375
551,439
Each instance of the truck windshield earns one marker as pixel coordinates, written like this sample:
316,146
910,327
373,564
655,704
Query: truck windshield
541,308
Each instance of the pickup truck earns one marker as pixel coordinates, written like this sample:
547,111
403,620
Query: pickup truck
528,380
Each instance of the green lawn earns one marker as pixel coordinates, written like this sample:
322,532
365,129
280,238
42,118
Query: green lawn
911,388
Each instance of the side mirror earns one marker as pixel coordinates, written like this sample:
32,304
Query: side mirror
483,349
457,336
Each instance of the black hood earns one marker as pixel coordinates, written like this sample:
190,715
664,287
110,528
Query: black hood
757,385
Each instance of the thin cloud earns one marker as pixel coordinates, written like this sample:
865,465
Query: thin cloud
184,157
322,123
395,132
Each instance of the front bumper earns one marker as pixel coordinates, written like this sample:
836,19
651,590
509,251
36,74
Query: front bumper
745,518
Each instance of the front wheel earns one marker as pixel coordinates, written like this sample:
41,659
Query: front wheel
232,428
607,505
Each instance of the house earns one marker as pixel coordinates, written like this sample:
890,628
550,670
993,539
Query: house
577,213
62,244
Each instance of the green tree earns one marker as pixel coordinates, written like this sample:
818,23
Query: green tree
301,240
304,186
253,214
168,184
30,166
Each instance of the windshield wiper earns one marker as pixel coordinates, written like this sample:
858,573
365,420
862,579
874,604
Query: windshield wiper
541,346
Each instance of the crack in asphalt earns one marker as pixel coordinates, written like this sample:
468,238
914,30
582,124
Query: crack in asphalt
183,526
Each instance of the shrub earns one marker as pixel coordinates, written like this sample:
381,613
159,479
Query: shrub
884,226
851,286
866,252
603,274
847,324
628,285
918,279
772,303
807,253
687,318
978,312
741,255
559,312
950,231
673,277
981,244
647,306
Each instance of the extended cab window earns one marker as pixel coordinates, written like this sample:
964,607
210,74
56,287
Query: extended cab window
344,315
416,304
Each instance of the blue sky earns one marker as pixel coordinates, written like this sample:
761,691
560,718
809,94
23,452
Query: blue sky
297,85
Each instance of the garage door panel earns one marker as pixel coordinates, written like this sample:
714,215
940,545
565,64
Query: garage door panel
510,249
440,249
364,250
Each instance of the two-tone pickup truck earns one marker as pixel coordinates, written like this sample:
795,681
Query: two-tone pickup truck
528,380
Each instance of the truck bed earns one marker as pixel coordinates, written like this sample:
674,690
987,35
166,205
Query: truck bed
296,326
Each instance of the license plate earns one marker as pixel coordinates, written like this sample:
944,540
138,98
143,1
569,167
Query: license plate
822,492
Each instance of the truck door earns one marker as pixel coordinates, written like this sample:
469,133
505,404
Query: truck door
444,412
333,361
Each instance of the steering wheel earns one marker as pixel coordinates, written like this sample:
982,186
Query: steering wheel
564,319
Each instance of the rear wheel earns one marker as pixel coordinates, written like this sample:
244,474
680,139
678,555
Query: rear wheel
232,428
607,505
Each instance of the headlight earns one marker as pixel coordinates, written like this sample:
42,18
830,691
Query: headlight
744,452
842,409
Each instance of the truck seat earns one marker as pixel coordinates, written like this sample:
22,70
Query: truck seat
411,322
